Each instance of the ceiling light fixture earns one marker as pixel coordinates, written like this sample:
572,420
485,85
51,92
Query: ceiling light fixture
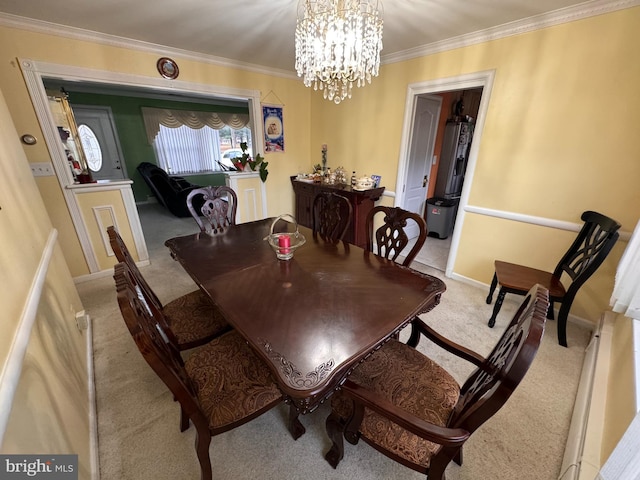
338,43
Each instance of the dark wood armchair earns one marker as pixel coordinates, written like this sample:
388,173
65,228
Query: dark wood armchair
218,206
585,255
331,216
191,320
391,237
412,410
220,386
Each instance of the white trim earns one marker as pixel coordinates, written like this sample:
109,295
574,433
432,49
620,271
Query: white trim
231,181
530,24
102,229
540,221
389,193
80,34
636,359
34,72
582,456
93,406
134,224
483,79
537,22
12,369
102,274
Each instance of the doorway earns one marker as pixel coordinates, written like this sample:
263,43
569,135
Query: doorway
440,87
38,74
100,142
421,150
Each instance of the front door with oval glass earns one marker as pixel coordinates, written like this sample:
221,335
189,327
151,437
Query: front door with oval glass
99,138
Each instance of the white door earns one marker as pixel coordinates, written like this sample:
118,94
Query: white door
423,137
100,142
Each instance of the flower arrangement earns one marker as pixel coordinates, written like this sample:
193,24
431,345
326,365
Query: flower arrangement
258,164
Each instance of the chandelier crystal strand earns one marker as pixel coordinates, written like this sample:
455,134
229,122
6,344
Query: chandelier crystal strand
338,43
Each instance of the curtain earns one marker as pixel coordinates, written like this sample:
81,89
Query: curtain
154,117
626,290
184,150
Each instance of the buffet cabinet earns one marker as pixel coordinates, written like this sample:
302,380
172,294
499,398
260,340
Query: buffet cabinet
361,201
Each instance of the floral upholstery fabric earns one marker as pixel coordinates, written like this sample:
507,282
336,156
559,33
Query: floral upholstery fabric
194,319
411,381
231,381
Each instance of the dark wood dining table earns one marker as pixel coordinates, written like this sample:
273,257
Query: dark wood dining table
313,318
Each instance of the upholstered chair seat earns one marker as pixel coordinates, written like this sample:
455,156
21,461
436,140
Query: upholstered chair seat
411,381
192,318
228,392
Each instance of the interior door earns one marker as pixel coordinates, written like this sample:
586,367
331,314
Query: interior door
423,137
100,143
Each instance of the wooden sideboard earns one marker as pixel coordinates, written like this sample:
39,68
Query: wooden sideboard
361,201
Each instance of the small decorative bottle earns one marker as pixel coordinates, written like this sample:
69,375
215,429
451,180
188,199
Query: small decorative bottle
353,179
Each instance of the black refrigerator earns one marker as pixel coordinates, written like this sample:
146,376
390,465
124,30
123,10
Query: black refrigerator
453,159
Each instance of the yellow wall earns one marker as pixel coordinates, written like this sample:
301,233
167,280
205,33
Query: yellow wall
50,409
15,43
558,139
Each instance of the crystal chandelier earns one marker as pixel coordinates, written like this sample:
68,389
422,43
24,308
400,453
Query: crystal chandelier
338,43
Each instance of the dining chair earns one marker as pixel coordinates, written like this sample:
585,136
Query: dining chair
192,319
391,237
412,410
221,386
332,215
218,205
592,245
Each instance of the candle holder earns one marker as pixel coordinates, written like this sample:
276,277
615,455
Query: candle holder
285,243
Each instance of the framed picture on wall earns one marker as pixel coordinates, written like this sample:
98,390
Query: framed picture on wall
273,128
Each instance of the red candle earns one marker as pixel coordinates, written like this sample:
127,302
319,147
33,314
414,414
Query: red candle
284,242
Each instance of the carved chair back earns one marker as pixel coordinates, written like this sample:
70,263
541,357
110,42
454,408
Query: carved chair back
490,386
588,251
147,327
332,215
219,207
391,237
123,254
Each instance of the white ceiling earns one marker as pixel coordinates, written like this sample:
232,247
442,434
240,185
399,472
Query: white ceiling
261,32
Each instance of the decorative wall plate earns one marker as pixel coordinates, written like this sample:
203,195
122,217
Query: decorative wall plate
168,68
28,139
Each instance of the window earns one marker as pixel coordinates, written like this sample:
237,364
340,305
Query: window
195,141
91,147
187,150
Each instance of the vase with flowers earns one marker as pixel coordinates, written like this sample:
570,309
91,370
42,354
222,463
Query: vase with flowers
256,165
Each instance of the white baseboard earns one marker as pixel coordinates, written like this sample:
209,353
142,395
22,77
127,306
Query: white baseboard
93,408
582,458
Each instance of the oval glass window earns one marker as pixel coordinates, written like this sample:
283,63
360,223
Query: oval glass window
91,147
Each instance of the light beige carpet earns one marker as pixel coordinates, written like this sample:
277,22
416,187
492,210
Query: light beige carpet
138,429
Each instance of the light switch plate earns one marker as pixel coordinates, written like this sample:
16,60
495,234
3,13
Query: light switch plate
42,169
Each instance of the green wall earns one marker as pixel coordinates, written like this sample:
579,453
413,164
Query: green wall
133,138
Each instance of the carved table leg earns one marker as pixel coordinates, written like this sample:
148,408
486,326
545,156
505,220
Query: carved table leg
335,427
295,427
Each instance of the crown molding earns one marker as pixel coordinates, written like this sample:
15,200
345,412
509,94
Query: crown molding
537,22
80,34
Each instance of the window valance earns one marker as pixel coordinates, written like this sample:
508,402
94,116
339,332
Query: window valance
154,117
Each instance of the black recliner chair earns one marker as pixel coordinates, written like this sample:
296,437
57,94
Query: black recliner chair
171,192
